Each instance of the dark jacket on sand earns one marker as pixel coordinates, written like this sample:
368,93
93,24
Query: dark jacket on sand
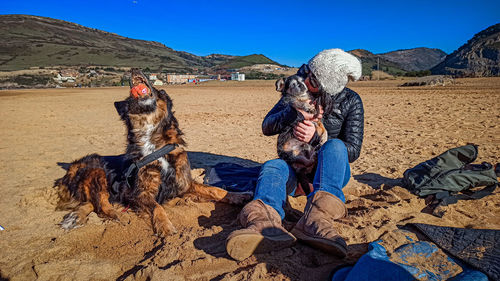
345,122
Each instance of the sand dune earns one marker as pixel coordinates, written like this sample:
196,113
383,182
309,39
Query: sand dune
222,122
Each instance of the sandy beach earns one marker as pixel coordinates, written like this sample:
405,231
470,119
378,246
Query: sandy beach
222,123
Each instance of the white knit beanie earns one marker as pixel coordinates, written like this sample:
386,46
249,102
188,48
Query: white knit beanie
332,69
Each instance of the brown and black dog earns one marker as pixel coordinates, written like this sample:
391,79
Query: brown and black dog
94,182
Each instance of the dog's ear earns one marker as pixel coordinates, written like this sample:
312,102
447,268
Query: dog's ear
122,108
280,84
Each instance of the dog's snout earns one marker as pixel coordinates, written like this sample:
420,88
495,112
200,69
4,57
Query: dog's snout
299,86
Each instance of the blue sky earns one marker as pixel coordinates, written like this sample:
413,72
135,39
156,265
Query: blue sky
290,32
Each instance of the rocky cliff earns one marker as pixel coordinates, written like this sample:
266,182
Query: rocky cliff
480,56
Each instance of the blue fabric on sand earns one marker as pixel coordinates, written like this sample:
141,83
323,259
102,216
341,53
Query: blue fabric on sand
376,265
232,177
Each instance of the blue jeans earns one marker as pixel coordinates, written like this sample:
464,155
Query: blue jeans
277,179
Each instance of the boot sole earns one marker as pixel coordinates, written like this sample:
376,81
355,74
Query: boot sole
324,245
244,244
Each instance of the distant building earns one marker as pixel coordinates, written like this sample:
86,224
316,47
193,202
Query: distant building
238,76
225,77
66,75
70,73
92,73
179,78
155,79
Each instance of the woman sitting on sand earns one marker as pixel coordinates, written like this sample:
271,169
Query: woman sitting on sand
261,218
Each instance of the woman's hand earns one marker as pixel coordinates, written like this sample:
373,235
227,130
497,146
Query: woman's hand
304,131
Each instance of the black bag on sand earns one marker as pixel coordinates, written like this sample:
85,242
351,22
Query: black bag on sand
449,173
477,247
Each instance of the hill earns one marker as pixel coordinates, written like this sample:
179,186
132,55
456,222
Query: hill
369,63
33,41
238,62
415,59
480,56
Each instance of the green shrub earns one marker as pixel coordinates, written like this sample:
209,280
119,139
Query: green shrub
257,75
420,73
31,80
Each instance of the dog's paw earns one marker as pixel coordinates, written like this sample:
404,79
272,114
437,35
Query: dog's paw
164,229
190,198
70,221
112,215
239,198
161,224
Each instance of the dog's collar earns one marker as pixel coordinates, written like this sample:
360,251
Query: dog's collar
135,166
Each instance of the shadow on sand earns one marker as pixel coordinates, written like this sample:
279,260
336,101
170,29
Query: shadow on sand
205,160
377,181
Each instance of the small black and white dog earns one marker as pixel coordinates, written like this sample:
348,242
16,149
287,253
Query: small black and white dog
301,156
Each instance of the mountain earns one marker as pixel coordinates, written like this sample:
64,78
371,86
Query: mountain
238,62
400,61
369,63
415,59
33,41
480,56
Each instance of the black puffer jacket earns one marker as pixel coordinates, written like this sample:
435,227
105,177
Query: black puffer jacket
346,122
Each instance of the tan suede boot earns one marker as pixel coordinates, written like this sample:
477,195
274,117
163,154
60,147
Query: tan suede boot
315,227
262,232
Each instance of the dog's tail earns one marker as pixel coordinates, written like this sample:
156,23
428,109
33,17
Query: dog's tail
218,194
207,192
89,171
66,201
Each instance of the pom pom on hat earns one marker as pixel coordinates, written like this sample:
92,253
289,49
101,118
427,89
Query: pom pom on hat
333,67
